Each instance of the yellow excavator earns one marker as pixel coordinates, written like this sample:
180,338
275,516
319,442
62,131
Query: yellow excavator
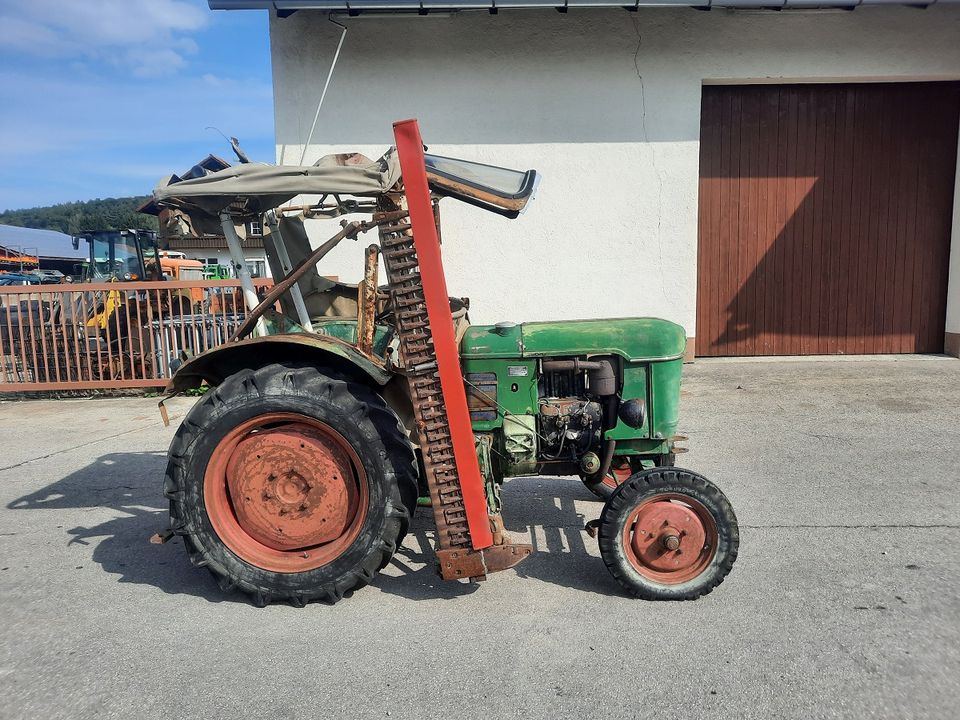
130,256
115,315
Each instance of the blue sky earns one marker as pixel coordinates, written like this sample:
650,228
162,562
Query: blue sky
100,98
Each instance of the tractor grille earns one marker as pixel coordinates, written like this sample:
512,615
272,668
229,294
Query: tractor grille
562,383
482,395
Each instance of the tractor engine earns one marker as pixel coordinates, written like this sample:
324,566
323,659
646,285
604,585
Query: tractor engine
568,423
577,402
571,398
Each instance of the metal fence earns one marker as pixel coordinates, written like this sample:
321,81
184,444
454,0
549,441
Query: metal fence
112,335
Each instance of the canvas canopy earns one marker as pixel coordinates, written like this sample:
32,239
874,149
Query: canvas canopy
264,187
250,189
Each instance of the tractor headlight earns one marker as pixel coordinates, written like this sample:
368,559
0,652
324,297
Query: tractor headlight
127,276
633,412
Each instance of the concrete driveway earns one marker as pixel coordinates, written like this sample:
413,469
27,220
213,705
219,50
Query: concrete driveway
843,603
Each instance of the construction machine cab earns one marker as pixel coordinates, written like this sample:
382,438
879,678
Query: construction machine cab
115,255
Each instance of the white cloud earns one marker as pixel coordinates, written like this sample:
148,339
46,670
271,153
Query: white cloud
149,37
90,120
218,81
159,62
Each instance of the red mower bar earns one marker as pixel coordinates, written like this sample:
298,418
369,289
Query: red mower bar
410,153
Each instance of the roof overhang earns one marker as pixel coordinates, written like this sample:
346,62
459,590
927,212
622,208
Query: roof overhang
424,7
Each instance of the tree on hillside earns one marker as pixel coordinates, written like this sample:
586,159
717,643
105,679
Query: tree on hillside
76,217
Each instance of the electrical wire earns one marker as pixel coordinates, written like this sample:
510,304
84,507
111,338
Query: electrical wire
505,414
326,84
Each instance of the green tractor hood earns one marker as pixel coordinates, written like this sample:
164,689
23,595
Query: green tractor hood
634,339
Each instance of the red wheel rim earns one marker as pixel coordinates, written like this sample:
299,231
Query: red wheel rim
670,538
286,492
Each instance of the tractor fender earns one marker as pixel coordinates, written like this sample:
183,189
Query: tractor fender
218,363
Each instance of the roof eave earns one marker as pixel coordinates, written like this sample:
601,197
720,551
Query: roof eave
423,7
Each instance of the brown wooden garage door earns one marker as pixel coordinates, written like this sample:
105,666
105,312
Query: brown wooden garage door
825,218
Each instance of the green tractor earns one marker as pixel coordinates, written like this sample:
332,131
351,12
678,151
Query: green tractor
296,475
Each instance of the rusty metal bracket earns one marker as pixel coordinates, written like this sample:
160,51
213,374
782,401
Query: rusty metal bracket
164,415
367,302
502,557
678,449
458,563
161,537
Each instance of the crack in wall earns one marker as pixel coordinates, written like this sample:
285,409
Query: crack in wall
653,151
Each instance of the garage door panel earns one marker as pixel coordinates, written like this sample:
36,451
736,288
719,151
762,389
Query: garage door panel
769,127
825,218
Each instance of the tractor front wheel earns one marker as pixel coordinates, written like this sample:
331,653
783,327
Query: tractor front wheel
292,484
668,534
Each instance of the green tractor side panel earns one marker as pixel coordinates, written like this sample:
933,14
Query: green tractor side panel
658,383
633,339
487,342
499,362
498,387
346,329
664,413
635,385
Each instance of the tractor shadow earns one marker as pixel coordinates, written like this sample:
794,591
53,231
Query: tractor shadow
412,572
550,513
553,512
130,484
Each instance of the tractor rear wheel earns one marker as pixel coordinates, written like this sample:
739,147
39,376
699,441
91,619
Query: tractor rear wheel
289,483
668,534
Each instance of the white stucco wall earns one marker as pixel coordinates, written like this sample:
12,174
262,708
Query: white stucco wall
953,291
606,104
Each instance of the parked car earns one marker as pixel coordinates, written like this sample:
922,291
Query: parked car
13,278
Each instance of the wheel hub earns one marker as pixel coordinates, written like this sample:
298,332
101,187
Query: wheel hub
670,541
291,487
